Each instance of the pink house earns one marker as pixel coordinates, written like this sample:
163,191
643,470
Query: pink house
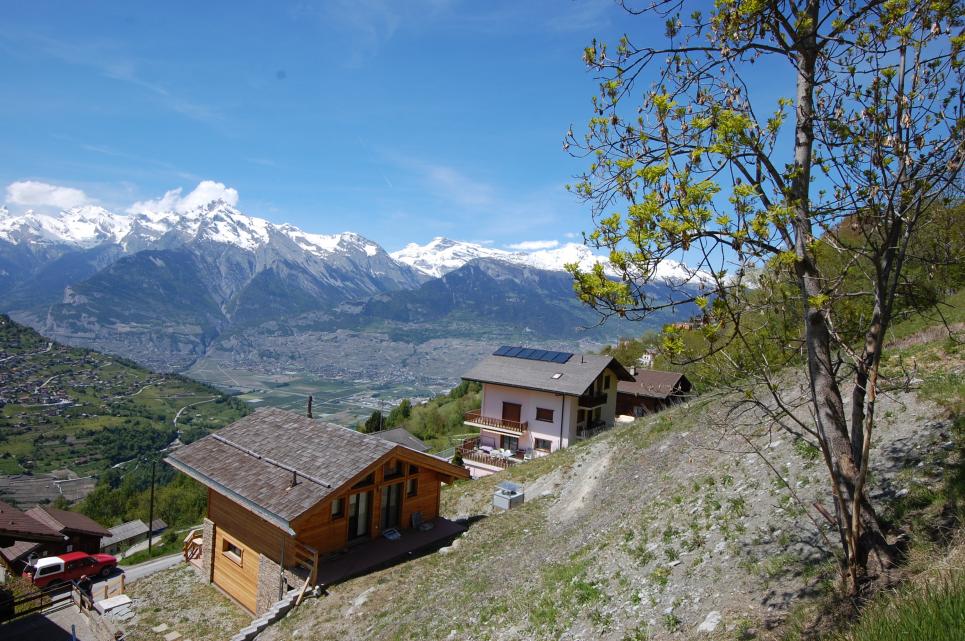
535,402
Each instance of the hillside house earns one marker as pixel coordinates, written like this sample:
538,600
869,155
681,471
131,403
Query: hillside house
651,391
76,533
20,534
535,402
124,535
289,495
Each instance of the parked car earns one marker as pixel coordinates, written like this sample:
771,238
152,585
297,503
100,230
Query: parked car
64,568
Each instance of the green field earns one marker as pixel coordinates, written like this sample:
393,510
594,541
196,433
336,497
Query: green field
72,408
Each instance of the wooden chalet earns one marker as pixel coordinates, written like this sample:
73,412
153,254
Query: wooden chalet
288,495
650,391
21,534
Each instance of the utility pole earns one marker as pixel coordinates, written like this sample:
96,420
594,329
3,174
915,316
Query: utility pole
150,519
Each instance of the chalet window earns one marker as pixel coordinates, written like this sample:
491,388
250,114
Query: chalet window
543,445
606,381
413,469
338,508
231,551
543,414
412,487
368,480
392,470
510,443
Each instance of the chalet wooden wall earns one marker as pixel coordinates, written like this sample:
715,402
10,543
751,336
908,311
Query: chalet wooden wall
254,531
318,529
238,577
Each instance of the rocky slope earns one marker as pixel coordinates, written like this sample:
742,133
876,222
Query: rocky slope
672,527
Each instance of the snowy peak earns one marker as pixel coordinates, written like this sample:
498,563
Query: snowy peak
441,255
213,222
85,227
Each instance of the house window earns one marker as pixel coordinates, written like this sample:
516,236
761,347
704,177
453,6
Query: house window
413,469
391,470
412,487
510,443
543,414
543,445
606,381
232,551
338,508
368,480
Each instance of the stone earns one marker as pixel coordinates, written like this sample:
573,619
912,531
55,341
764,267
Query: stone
710,623
160,628
173,635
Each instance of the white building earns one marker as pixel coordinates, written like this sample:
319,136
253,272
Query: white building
535,402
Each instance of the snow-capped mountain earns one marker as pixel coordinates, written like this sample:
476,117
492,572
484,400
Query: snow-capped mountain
442,255
216,221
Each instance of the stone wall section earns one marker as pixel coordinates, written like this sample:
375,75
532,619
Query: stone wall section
207,549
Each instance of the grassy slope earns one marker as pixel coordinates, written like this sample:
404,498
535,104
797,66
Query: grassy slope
107,393
646,530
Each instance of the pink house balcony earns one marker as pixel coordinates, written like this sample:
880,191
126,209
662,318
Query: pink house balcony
476,418
470,450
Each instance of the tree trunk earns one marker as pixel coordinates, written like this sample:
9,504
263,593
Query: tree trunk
870,546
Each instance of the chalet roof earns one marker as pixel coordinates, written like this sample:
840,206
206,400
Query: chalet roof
18,550
254,460
654,383
124,532
576,375
64,521
14,523
158,525
404,437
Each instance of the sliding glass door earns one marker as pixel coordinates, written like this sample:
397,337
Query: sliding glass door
391,509
359,515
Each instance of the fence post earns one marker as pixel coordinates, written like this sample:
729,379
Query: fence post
122,584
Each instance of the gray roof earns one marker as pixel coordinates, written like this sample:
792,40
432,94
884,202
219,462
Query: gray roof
654,383
254,460
124,531
577,374
404,437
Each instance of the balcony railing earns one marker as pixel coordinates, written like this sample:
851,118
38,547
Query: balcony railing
476,416
470,450
593,400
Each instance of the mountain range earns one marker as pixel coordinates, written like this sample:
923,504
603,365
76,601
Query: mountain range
169,288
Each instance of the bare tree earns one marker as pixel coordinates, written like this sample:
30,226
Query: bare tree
825,189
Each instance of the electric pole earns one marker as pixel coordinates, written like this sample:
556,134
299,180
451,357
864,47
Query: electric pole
150,519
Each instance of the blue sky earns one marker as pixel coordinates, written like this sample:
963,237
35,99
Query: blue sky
401,120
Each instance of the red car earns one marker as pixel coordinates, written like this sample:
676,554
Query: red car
64,568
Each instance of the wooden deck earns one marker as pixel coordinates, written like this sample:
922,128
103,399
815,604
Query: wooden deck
381,553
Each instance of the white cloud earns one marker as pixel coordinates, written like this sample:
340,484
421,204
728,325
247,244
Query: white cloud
570,234
533,245
41,194
206,192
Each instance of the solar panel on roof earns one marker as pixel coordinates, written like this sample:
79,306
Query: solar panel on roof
533,354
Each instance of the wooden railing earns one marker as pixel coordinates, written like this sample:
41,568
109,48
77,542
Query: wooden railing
476,416
470,450
306,557
593,400
193,543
